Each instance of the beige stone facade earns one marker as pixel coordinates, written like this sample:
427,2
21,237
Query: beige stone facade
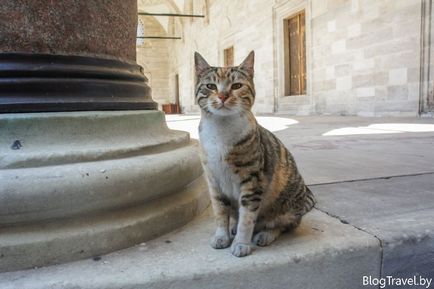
363,57
152,55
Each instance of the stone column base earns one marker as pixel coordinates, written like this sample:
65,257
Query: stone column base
80,184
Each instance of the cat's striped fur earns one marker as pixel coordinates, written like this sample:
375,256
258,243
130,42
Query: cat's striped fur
253,179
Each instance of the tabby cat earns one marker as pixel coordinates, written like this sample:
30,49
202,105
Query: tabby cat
255,187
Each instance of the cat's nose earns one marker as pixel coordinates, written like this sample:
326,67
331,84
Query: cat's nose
223,97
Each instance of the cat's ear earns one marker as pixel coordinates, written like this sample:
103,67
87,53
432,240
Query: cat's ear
249,63
200,64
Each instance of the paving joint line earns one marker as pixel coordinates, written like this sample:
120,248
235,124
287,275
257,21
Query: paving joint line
345,222
370,179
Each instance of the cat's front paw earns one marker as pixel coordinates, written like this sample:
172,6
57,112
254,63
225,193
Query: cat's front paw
220,241
240,249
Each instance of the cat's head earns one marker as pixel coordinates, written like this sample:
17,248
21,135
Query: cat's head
224,90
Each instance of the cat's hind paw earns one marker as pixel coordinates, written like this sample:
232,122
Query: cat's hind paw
240,249
220,242
266,237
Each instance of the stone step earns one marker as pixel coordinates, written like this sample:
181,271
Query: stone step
60,241
322,253
397,210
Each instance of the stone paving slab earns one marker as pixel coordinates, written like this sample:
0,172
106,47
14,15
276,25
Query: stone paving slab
354,181
380,153
327,161
399,211
321,253
335,149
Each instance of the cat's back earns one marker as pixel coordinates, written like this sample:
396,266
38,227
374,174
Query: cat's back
286,186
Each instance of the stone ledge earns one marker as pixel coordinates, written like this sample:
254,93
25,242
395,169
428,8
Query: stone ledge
321,253
397,210
58,138
42,193
64,240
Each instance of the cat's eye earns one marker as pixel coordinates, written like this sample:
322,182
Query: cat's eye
211,86
236,86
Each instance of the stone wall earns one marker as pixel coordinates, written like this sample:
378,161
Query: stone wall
363,57
229,23
366,57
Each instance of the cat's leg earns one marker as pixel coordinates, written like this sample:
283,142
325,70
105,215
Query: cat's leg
221,208
248,213
273,229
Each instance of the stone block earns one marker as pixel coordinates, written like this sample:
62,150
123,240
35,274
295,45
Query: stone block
365,91
354,30
369,37
413,91
397,107
364,64
324,85
342,70
413,74
355,6
319,7
410,43
398,76
331,26
380,93
369,79
339,46
397,93
330,73
343,83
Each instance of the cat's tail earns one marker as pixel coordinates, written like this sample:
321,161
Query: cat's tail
310,200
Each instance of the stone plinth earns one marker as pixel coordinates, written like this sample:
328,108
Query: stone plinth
76,185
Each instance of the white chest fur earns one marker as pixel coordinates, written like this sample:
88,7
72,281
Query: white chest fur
217,136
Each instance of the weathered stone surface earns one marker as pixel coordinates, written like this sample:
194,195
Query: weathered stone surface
62,240
370,39
359,148
95,161
399,211
79,184
321,253
88,28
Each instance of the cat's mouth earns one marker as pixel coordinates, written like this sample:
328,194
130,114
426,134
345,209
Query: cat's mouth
222,106
225,105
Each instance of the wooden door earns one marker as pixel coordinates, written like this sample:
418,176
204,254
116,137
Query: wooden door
297,51
229,56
